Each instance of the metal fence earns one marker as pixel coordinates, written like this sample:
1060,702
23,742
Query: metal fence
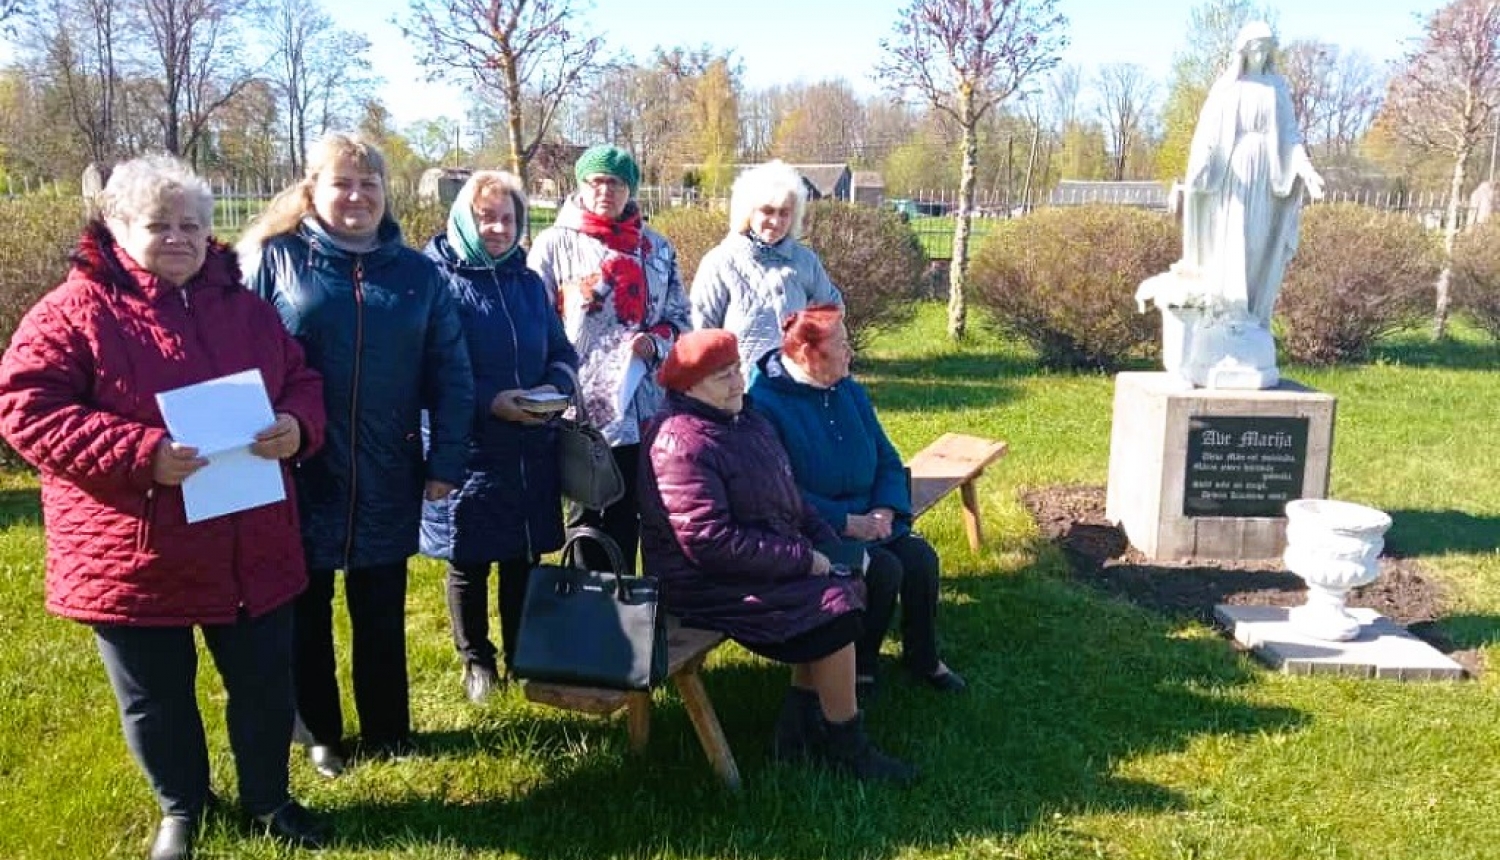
239,200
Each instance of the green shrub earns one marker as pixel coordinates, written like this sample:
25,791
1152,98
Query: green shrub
1476,275
873,258
1063,279
1359,274
37,234
419,221
692,230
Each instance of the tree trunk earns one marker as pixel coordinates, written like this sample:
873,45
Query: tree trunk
958,308
1450,235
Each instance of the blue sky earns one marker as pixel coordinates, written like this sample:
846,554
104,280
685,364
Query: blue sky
783,41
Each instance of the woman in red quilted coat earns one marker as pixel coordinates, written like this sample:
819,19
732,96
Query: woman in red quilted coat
152,303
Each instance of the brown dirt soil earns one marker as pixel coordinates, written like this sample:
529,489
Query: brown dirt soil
1099,555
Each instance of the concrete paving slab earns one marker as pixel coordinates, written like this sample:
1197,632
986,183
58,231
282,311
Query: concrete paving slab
1383,649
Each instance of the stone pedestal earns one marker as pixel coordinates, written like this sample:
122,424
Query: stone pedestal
1206,473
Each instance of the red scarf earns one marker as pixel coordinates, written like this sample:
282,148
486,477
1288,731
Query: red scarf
622,268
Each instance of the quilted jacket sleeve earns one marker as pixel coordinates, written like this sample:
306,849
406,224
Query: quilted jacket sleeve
697,506
45,378
448,385
710,296
301,393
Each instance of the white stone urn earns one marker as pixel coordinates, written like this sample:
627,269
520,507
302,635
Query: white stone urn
1334,546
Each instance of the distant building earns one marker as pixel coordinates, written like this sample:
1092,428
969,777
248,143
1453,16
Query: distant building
869,188
1142,194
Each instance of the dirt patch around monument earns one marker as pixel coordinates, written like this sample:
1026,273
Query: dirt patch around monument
1098,554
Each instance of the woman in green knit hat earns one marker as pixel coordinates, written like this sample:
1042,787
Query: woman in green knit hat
615,282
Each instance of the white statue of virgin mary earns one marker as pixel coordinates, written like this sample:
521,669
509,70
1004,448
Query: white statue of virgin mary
1242,201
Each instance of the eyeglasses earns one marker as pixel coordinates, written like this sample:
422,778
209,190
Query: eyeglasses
604,182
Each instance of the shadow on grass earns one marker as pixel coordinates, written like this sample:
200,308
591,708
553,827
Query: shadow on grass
1470,352
1426,532
1064,685
20,507
1470,632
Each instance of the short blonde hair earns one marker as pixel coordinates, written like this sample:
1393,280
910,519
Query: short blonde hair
287,209
772,183
140,186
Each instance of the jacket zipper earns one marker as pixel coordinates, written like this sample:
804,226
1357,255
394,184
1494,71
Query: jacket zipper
359,339
148,513
187,304
515,348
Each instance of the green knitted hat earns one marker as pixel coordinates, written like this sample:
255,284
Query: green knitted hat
610,160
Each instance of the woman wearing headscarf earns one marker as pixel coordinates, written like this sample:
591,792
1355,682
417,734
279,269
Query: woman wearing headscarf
761,272
378,321
737,550
508,509
617,289
153,304
849,471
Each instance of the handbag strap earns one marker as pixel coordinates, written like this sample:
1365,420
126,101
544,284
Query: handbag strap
604,541
579,414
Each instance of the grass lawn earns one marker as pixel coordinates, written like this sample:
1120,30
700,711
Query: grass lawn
1092,728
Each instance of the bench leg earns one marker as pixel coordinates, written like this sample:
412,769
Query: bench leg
638,717
970,498
706,724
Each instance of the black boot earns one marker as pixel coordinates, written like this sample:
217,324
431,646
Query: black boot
847,748
799,726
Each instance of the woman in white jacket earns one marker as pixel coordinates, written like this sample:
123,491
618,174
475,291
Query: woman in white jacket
761,273
614,281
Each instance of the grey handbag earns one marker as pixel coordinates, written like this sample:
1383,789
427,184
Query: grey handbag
590,475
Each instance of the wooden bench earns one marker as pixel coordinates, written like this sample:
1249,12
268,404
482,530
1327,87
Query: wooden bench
686,650
953,460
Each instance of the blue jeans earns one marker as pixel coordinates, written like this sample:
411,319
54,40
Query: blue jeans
153,671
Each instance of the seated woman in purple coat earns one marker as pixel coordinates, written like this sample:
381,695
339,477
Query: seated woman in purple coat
727,531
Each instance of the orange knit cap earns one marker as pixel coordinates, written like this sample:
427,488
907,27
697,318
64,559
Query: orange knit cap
696,356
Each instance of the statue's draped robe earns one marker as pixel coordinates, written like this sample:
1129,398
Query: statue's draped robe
1240,215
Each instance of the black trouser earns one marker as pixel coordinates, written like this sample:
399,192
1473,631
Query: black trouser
907,566
469,611
376,597
154,671
621,520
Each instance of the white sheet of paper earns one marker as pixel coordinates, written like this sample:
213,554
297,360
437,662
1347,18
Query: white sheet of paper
220,418
634,373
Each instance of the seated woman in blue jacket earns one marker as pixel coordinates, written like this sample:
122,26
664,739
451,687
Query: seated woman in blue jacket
850,472
508,510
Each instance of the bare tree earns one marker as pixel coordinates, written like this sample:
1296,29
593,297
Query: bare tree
527,53
964,57
74,45
9,10
1125,93
1443,99
191,54
1334,93
822,122
316,66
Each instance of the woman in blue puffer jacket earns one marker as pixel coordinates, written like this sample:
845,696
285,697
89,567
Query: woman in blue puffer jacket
376,319
508,510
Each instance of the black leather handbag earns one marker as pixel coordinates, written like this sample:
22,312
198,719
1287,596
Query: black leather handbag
591,628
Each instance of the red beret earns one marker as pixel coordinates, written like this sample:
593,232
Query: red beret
696,356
